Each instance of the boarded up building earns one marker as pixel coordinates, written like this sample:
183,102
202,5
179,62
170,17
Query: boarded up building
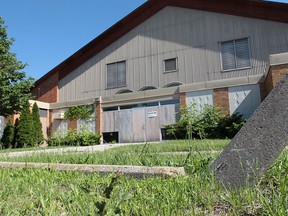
164,54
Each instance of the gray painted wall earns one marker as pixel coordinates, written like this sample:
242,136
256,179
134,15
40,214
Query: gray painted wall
190,35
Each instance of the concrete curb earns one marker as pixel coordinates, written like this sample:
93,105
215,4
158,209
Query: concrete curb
136,171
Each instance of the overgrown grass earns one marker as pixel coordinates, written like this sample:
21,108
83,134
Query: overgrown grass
191,155
49,192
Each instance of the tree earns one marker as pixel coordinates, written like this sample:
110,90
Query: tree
38,135
25,129
8,135
14,85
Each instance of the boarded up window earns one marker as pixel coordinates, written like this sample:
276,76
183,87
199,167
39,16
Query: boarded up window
116,74
235,54
87,125
170,65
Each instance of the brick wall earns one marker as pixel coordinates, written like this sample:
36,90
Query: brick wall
275,74
72,124
221,99
183,99
47,91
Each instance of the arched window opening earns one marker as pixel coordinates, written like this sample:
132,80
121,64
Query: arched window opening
124,91
145,88
173,84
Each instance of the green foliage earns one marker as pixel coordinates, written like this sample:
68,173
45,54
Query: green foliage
25,129
196,193
7,139
14,86
72,138
210,123
37,126
79,112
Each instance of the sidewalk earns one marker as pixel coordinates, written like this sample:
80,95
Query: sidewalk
68,149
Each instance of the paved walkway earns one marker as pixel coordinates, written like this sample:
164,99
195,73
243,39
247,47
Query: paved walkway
68,149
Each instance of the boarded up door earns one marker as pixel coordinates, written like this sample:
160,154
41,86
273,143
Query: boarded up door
153,130
125,122
139,125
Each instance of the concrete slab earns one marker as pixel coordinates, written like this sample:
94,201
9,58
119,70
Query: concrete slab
136,171
253,150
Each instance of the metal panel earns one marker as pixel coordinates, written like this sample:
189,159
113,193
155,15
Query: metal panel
60,126
138,125
244,99
168,114
125,126
153,132
86,125
182,33
199,98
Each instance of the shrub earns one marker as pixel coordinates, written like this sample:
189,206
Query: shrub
84,138
210,122
56,139
37,126
25,135
7,139
87,138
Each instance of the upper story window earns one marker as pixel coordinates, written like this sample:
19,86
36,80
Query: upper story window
116,74
235,54
170,65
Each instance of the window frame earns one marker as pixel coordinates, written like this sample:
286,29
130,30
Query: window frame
234,47
118,86
170,71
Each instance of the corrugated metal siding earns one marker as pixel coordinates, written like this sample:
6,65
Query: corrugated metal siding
190,35
244,99
60,127
199,99
86,125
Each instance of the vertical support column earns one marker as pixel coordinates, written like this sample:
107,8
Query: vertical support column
12,118
49,123
183,99
99,118
263,91
221,99
72,124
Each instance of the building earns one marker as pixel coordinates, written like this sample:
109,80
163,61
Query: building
167,53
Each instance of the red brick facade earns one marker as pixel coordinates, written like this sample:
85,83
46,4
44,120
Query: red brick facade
221,99
275,74
47,91
73,124
183,99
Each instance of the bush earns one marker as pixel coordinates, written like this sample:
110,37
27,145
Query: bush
7,139
25,130
37,126
210,122
84,138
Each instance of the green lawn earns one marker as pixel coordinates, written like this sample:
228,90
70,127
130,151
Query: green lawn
49,192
